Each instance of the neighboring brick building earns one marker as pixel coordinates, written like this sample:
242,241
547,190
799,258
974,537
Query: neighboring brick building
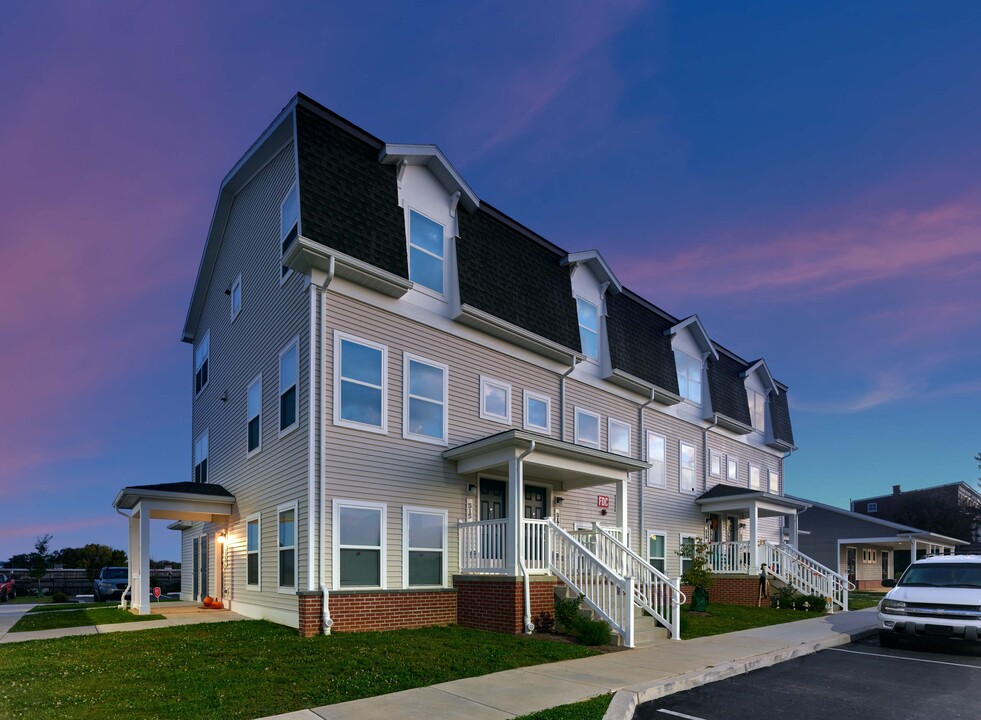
953,509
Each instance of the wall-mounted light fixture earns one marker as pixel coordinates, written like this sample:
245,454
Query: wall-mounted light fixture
559,500
222,537
471,488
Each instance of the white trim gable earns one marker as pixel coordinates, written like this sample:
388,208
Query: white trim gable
698,332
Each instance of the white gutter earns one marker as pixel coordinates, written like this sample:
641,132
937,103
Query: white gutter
562,377
529,625
327,622
642,449
705,453
129,564
312,423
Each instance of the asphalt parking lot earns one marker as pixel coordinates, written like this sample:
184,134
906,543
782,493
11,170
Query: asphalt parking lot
861,680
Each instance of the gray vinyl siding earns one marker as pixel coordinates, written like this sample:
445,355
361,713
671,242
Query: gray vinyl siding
271,316
825,528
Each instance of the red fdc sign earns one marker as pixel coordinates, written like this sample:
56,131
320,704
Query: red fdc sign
156,592
603,501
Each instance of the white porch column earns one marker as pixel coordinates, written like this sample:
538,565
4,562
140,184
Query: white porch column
754,539
792,524
142,604
515,516
912,550
621,508
133,553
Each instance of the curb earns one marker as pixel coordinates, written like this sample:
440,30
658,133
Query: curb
626,701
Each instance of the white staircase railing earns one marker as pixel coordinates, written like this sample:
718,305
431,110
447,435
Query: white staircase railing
605,591
730,557
805,574
536,546
654,591
483,546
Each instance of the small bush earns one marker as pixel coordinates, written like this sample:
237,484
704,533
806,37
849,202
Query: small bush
545,623
786,598
593,632
567,613
60,597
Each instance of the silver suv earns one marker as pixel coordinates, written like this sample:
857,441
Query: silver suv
936,597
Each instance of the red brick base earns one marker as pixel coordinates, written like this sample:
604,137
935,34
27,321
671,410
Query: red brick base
874,585
391,610
496,603
311,607
732,591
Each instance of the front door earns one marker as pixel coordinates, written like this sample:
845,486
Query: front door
203,567
534,502
851,561
885,564
493,499
195,572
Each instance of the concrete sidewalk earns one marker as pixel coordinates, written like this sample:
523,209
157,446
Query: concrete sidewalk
636,676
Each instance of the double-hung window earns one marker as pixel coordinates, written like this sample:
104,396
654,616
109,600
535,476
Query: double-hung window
538,412
655,456
732,468
618,437
201,364
359,548
201,458
253,535
253,416
360,384
686,468
289,390
655,550
774,483
754,477
424,403
757,409
689,376
495,400
588,328
235,297
289,225
587,428
423,547
287,547
427,252
715,463
872,507
687,547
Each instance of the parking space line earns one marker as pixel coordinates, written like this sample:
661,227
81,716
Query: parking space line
681,715
901,657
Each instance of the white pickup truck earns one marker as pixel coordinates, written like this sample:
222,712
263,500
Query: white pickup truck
937,596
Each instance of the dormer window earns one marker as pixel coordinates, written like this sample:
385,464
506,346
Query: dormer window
757,409
427,252
588,328
689,376
289,224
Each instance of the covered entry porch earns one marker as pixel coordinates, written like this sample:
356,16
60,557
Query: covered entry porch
182,501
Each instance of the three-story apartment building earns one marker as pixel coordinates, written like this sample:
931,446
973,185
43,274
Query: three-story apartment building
410,409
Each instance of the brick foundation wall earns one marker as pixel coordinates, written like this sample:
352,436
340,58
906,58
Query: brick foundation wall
392,610
875,585
732,591
310,607
495,603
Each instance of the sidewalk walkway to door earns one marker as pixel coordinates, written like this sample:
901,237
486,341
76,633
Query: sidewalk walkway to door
636,676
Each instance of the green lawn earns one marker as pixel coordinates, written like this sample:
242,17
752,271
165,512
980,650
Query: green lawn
860,600
246,669
77,618
729,618
592,709
29,599
73,606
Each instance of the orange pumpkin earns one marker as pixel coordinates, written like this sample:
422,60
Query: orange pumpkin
208,600
217,605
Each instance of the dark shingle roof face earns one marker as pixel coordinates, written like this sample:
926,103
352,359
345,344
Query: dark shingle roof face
515,278
348,200
186,487
638,345
727,390
780,418
720,491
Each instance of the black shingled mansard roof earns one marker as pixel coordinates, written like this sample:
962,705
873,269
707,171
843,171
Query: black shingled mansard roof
349,202
189,488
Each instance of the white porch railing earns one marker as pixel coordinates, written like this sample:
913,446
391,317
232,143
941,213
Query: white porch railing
483,546
536,546
730,557
654,591
805,574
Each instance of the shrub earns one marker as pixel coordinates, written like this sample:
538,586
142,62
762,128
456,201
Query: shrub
593,632
544,623
567,612
60,597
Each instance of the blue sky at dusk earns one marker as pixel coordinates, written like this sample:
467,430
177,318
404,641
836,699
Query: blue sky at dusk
805,177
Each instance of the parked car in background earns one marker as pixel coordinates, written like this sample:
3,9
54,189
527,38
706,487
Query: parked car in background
110,583
8,588
936,597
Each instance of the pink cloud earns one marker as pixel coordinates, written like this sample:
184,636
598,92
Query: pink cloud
56,527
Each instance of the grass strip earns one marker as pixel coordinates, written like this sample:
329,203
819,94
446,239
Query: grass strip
592,709
722,619
77,618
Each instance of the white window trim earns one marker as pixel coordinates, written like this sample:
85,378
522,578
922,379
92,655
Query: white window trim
754,395
664,461
231,298
408,254
872,507
732,459
529,395
338,420
283,432
248,419
485,381
444,514
681,543
610,422
409,357
283,277
599,337
700,362
295,547
681,468
194,455
258,518
577,411
773,482
647,549
759,477
713,455
336,543
194,377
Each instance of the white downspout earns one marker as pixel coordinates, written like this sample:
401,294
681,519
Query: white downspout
327,622
129,564
642,450
705,453
312,422
529,625
562,377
